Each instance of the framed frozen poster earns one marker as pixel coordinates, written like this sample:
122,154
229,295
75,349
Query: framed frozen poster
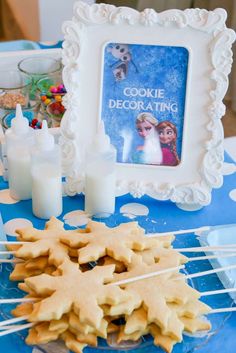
143,101
157,80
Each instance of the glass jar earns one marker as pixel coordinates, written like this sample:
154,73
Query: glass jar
15,89
37,67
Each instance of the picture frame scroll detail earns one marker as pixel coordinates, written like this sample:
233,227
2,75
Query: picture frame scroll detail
175,67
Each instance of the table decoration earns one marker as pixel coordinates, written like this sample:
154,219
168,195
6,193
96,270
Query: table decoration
145,62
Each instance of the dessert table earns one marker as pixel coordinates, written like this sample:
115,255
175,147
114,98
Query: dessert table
166,215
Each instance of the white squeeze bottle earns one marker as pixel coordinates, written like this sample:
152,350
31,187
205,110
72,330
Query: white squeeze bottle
100,178
46,175
19,142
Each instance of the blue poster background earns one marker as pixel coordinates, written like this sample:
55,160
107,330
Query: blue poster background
142,68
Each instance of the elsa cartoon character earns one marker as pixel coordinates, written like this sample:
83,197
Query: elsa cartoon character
150,151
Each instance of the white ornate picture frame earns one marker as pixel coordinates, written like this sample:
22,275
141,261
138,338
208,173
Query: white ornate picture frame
208,42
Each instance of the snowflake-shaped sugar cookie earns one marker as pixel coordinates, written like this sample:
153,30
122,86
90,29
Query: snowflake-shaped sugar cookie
156,292
81,292
45,242
162,256
118,242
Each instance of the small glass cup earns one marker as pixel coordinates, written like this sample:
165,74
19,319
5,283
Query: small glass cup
38,67
55,112
15,88
45,84
51,91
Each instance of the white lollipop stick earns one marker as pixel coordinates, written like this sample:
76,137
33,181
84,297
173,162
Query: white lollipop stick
222,310
199,258
16,329
4,328
7,252
13,321
222,248
209,272
16,261
17,300
157,273
219,291
13,242
177,232
147,275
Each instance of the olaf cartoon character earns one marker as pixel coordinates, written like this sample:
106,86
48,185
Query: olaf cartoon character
122,53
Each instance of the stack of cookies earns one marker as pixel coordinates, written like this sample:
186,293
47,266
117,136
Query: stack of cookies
71,277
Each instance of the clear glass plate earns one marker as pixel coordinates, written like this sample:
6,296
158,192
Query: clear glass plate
14,343
222,236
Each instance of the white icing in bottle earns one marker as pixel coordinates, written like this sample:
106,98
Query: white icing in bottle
46,176
100,177
19,141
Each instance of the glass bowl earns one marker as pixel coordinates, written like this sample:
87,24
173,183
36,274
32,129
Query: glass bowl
15,343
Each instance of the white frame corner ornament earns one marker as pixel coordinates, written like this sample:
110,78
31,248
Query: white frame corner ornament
193,28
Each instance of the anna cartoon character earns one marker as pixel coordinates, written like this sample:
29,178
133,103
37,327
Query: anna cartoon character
168,135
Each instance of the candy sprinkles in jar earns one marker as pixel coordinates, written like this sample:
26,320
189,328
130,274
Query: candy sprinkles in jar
14,89
51,98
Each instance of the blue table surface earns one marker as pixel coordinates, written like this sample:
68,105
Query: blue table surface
16,45
222,210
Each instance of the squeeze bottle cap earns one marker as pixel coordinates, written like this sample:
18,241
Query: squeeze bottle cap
44,140
101,142
19,124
